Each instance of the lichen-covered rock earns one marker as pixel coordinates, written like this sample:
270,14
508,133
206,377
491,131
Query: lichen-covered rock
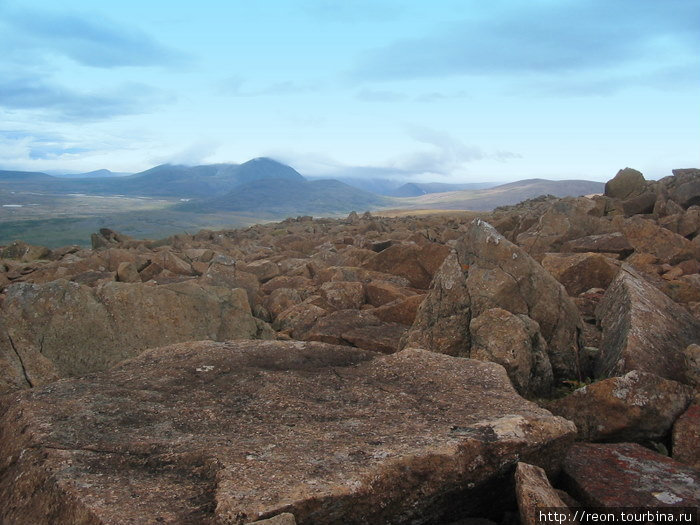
487,271
628,475
686,436
635,407
236,432
643,329
691,357
78,329
343,295
515,342
534,492
564,220
646,236
416,263
402,311
626,183
356,328
582,271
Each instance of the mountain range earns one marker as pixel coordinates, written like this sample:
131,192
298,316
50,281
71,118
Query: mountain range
168,199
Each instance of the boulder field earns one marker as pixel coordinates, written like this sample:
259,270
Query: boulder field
431,369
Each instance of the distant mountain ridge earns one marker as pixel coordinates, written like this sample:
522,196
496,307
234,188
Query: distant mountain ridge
503,195
290,197
165,180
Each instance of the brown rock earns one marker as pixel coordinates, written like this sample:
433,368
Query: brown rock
383,292
628,475
24,252
686,190
487,272
639,204
581,272
171,262
563,220
343,295
686,437
626,183
515,342
82,330
691,357
298,282
150,272
235,432
263,269
298,319
360,275
643,329
610,243
281,519
415,263
357,328
645,236
128,273
534,492
635,407
228,276
402,311
280,300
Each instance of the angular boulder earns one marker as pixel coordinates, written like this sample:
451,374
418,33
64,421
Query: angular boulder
416,263
236,432
626,183
487,271
534,492
515,342
64,329
635,407
357,328
582,271
686,436
628,475
643,329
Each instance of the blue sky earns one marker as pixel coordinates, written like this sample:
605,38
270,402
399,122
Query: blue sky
444,90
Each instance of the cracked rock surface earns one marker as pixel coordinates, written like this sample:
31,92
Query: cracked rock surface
233,432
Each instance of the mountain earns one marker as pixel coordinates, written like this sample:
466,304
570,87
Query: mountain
20,177
290,196
91,174
166,180
415,189
503,195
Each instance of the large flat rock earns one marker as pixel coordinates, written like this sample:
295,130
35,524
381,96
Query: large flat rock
233,432
628,475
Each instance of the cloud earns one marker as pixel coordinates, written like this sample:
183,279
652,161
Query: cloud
31,92
88,40
195,154
543,37
378,95
446,156
235,86
350,12
22,149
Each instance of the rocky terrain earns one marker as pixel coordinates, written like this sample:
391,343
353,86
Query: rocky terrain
420,369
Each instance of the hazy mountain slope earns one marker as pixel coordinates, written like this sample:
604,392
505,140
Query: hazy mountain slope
290,197
91,174
19,177
165,180
415,189
506,194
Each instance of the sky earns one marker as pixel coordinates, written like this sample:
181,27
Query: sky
448,91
